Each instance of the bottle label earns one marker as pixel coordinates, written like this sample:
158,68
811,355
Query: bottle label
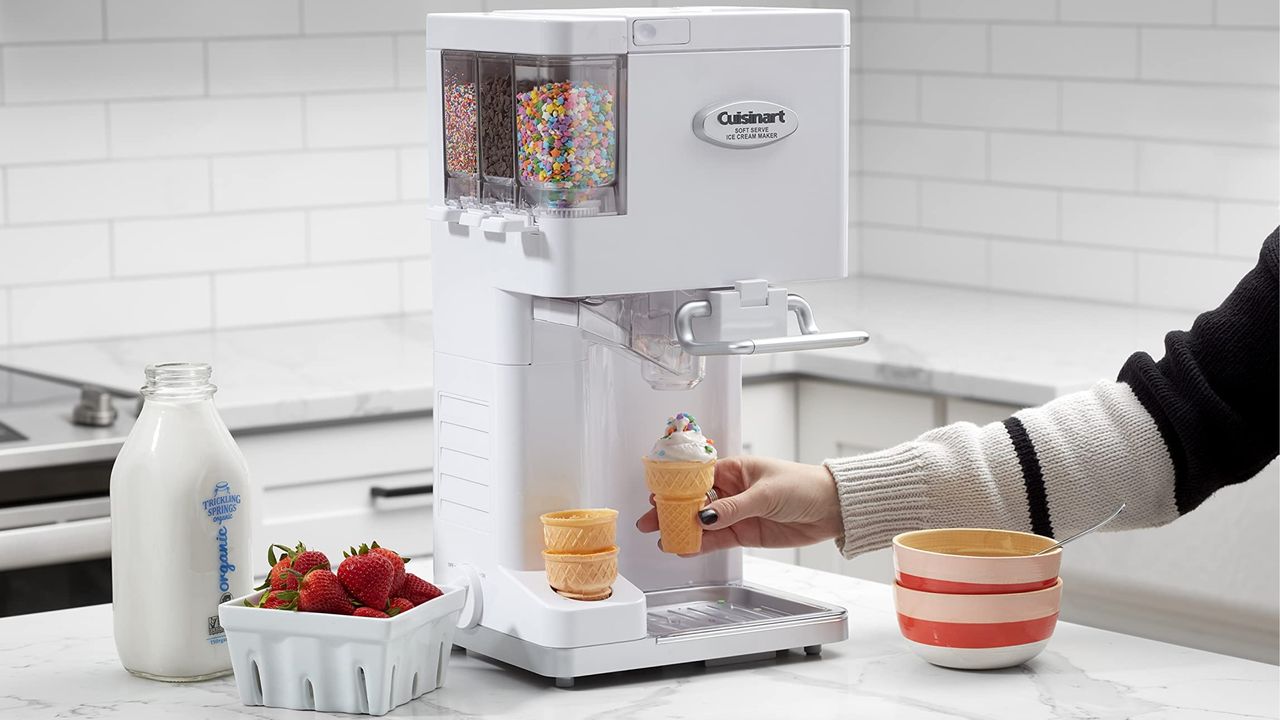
220,508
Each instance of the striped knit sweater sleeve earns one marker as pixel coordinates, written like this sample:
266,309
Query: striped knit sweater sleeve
1162,438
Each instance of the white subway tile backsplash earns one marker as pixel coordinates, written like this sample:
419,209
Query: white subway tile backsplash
923,151
344,16
51,133
293,180
1187,283
415,279
925,256
1138,222
989,102
413,174
988,9
1211,55
989,209
48,313
888,200
50,20
203,244
1063,271
61,193
1139,12
888,97
1151,126
411,60
953,47
183,127
201,18
301,65
363,119
56,253
1198,113
102,71
1261,13
1064,51
1229,173
1243,226
392,231
887,8
1065,161
282,296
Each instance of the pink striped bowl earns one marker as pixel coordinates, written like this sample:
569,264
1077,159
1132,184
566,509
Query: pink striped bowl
977,632
973,561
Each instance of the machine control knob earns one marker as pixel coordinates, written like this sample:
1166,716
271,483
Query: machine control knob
95,408
504,223
443,212
662,31
473,607
473,218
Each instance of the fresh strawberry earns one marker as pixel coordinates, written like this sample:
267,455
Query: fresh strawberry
280,577
367,577
369,612
321,592
396,561
298,559
418,590
399,605
309,560
279,600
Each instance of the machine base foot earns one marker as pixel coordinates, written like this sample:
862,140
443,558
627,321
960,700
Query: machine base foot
564,682
812,649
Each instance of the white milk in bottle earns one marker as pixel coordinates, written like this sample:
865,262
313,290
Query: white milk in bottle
180,530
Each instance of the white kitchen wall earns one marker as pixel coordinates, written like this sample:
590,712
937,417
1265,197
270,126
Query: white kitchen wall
185,164
1122,151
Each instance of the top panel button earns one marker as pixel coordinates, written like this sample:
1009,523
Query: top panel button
668,31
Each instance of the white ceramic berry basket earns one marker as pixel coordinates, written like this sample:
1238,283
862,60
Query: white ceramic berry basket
336,663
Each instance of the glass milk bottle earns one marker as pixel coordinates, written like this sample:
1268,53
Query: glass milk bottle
180,530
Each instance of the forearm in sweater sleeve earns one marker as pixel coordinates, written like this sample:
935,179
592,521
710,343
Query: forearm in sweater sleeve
1163,439
1092,451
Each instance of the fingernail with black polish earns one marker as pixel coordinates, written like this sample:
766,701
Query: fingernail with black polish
708,516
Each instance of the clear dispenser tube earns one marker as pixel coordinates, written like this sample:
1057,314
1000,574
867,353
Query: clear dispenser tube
497,129
567,113
461,126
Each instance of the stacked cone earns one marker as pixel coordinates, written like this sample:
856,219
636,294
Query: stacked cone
679,491
581,557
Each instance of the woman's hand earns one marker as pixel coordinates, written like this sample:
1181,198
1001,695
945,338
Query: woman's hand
766,503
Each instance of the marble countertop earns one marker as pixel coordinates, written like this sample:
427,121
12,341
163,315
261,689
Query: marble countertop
63,664
964,343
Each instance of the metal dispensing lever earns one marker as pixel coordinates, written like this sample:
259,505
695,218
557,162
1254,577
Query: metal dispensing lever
811,338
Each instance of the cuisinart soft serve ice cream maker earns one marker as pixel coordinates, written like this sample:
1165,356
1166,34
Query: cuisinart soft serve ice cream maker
613,194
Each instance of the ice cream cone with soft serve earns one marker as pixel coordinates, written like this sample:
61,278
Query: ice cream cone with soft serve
679,471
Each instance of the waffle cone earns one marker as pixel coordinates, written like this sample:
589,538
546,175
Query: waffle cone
582,575
580,531
678,523
679,479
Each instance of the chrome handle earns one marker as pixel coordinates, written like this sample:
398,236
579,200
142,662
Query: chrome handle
811,338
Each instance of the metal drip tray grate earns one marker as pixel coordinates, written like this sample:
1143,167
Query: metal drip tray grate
726,608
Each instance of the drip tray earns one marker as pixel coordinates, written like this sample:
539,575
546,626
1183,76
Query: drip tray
726,609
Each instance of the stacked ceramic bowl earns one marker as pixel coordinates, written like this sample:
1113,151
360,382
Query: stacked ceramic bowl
581,557
976,599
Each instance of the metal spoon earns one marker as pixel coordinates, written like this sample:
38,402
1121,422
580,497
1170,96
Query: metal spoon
1082,533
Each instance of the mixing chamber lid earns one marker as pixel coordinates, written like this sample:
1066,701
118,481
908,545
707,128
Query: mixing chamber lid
616,31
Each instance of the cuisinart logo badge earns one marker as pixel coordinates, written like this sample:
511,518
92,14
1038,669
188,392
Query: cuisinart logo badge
745,123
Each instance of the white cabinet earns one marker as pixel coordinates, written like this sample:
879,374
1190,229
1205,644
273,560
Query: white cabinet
336,485
769,430
838,420
976,411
